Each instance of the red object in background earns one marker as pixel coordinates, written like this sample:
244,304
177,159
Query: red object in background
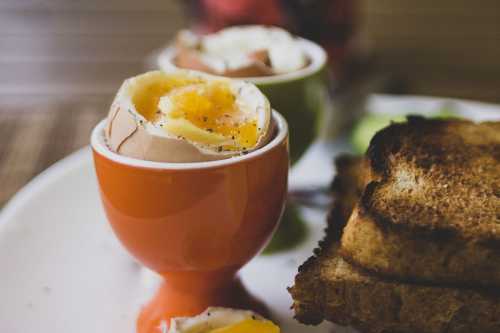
222,13
330,23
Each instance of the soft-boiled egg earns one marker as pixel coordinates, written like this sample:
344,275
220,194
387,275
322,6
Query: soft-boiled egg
187,116
241,51
223,320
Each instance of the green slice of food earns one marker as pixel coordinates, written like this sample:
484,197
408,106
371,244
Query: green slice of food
370,124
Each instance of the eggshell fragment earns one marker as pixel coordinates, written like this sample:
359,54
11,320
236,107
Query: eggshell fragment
253,69
190,59
261,56
256,65
134,141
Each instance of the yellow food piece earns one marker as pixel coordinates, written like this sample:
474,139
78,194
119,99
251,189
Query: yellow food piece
200,111
147,91
212,107
249,326
184,128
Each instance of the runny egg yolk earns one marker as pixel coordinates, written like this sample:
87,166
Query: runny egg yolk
249,326
209,113
147,96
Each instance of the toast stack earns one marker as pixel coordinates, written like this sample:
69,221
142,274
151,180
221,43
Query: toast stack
413,239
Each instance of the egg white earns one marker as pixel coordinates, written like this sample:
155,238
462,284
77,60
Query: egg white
232,45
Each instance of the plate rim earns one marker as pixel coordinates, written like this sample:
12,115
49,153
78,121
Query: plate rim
38,183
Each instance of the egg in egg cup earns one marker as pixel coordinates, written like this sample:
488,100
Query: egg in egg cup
194,223
297,88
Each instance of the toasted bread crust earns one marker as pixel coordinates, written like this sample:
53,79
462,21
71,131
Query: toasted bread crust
439,176
353,173
420,252
433,213
425,258
327,287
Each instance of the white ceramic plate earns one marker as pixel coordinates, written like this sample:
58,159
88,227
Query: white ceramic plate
63,271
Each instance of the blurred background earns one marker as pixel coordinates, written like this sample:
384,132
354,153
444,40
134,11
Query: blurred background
61,61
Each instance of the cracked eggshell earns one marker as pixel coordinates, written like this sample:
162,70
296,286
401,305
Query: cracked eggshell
189,56
257,66
232,51
196,60
190,59
130,134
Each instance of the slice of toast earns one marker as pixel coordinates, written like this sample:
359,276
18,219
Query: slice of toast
327,287
432,212
353,174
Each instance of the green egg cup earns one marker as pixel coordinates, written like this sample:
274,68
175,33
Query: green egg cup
301,97
301,102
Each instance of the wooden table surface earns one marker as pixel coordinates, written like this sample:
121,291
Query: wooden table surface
60,64
31,140
61,61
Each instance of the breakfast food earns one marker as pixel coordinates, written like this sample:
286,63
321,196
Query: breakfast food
246,51
434,214
299,92
419,252
187,116
369,124
328,287
353,174
223,320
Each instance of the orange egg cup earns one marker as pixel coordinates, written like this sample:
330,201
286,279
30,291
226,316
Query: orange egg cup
196,224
